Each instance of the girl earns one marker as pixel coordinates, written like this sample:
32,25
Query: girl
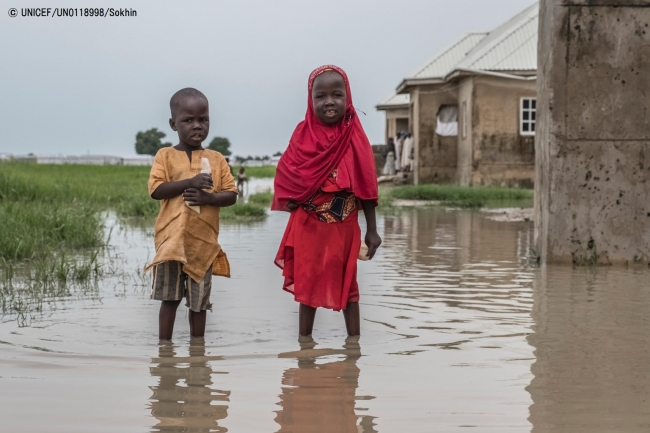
326,174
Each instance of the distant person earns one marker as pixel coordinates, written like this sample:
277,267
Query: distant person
398,152
187,251
241,180
407,153
389,155
324,177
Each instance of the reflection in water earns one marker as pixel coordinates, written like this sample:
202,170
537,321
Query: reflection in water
183,401
592,341
447,338
320,397
476,267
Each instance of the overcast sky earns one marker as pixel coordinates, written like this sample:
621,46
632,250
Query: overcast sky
88,85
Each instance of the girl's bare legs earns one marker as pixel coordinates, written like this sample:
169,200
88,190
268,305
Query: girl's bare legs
352,319
306,318
166,319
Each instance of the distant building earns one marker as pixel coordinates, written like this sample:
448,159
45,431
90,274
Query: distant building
472,109
143,160
273,161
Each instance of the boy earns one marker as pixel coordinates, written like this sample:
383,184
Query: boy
186,239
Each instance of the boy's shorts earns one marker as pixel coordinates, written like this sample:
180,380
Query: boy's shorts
170,283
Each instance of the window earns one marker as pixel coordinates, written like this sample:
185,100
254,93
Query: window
528,116
465,119
447,121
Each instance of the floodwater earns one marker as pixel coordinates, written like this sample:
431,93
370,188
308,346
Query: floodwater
459,333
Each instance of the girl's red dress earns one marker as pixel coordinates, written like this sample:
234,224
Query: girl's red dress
327,170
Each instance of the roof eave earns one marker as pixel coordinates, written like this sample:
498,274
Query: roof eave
412,82
519,75
386,107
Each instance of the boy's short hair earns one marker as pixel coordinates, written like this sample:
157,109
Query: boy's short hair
183,94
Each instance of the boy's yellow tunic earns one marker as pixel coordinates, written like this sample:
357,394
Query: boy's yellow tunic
182,234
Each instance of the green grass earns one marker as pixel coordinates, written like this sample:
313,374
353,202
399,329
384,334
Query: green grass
35,230
261,198
260,172
44,208
241,212
459,196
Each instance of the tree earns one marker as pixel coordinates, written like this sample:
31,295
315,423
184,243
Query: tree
221,145
149,142
277,154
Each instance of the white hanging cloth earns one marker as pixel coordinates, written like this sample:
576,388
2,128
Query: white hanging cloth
447,121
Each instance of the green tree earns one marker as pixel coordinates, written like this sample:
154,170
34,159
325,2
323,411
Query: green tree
149,142
277,154
221,145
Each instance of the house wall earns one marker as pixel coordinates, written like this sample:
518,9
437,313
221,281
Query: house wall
465,154
501,155
435,157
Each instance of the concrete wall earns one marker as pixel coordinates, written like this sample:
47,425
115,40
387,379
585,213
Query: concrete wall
593,155
501,155
436,157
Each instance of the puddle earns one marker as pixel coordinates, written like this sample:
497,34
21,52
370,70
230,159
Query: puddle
458,331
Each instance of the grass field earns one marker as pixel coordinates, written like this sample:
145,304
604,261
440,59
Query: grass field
44,208
259,172
452,195
261,198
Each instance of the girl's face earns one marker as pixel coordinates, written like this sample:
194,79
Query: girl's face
329,97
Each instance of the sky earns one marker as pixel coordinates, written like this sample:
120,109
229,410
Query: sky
73,86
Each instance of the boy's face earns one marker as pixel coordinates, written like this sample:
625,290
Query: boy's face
329,97
191,119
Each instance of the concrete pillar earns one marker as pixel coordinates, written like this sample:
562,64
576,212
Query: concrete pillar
415,130
592,186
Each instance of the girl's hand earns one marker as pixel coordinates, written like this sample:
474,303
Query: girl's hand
197,197
292,206
201,181
373,240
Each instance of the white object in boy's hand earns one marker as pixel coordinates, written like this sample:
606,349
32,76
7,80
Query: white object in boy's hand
205,168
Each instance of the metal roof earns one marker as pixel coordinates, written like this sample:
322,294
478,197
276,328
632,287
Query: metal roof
443,64
510,47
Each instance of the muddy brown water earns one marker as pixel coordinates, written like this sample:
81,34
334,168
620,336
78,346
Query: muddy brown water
460,333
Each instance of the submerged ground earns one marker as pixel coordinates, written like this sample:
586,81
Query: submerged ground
460,331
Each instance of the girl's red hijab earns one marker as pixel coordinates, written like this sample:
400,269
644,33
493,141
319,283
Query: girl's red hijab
316,149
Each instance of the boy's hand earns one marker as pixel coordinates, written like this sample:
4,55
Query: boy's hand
197,197
373,240
201,181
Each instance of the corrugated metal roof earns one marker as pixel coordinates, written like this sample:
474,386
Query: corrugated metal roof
444,63
510,47
397,99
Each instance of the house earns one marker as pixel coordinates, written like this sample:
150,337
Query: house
472,109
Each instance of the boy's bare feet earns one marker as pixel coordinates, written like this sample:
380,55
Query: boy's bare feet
197,323
166,319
